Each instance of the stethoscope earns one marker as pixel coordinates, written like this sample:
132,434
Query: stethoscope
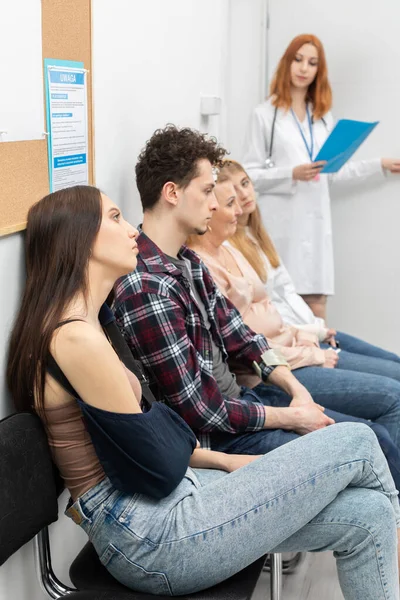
269,163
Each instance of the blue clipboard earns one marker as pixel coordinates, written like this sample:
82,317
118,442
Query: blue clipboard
345,138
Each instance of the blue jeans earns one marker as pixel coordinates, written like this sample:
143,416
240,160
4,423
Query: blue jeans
357,355
346,395
329,490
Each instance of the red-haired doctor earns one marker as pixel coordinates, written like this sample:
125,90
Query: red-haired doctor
285,134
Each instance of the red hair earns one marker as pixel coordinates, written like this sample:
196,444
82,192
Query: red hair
319,92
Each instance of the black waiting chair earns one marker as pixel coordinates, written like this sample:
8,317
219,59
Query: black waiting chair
29,504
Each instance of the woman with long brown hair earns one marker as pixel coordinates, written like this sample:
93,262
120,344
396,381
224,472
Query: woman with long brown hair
158,525
284,136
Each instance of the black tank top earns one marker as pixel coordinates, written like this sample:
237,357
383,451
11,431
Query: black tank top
145,453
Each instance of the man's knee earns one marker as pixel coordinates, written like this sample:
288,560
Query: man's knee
381,432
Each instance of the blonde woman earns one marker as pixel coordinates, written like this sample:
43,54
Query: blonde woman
253,241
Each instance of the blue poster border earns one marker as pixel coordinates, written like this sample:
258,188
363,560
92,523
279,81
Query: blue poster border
54,62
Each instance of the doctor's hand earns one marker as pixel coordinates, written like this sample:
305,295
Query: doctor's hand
391,164
308,171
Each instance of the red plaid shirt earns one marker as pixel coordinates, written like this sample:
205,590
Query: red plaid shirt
165,330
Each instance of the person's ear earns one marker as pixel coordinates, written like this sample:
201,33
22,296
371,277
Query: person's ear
169,192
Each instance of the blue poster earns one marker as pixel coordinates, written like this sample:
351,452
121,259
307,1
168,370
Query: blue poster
67,123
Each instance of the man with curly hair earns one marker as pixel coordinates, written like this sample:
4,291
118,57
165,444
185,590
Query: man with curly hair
187,333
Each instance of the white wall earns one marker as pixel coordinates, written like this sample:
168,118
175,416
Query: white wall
21,39
11,281
151,63
247,68
363,51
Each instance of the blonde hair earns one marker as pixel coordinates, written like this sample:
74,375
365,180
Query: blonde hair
251,249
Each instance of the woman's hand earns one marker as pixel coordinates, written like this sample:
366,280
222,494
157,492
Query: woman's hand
331,359
211,459
236,461
306,338
308,171
391,164
330,337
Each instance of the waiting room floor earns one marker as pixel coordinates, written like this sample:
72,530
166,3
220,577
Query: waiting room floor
315,579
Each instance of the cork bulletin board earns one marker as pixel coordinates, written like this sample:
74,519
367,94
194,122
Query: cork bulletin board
24,177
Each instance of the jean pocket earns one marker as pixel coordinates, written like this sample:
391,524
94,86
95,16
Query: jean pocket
133,575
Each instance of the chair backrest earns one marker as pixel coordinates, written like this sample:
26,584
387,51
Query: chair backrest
28,495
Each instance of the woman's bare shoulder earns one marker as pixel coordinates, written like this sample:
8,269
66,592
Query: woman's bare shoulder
79,344
93,368
78,337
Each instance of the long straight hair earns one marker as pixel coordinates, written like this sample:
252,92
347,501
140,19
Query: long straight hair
60,233
251,249
319,92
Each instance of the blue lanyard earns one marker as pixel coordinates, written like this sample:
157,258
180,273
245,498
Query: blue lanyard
309,150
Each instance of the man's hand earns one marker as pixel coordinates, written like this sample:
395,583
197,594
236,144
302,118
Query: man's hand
284,378
331,358
301,418
309,417
303,414
301,397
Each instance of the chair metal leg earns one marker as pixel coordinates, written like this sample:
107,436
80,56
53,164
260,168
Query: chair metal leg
276,576
288,566
47,579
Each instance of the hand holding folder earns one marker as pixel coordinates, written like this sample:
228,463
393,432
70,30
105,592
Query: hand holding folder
345,138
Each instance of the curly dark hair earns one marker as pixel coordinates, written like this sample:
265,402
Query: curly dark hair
172,154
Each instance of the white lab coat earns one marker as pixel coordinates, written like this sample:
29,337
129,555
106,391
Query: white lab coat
297,214
291,306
